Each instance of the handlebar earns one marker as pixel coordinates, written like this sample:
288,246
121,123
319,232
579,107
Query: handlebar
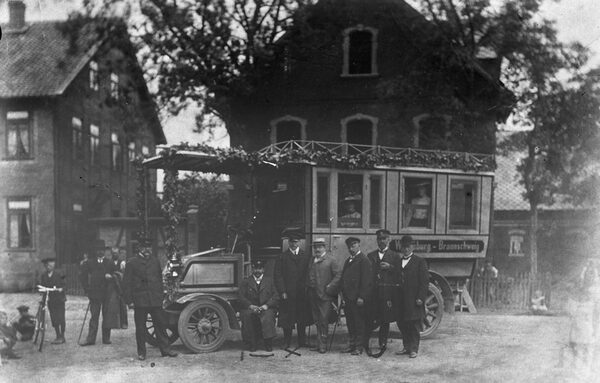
44,289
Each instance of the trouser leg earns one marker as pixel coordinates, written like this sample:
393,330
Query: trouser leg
95,307
410,335
384,330
160,329
139,318
248,328
301,335
362,337
351,312
123,314
287,337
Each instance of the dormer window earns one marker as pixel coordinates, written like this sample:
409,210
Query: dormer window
288,128
360,51
94,83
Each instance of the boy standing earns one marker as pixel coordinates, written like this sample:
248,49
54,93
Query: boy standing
56,300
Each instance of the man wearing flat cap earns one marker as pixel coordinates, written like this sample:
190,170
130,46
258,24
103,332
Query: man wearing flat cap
384,302
290,273
258,299
414,283
95,274
356,289
26,323
56,299
322,282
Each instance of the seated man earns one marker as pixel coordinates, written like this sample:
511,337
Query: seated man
26,323
8,338
259,298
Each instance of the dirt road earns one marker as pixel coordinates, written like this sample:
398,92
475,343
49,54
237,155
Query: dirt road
466,348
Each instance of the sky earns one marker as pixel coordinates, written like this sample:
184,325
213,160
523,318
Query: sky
576,20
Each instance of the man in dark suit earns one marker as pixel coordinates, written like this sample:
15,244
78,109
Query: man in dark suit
290,278
356,289
258,299
386,267
143,291
414,283
95,275
56,300
322,281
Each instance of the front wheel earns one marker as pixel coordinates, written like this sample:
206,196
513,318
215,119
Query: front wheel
202,325
434,310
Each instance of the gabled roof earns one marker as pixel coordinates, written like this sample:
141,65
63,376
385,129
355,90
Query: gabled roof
40,60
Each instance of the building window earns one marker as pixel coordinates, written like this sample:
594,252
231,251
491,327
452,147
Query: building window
114,86
350,200
288,128
116,158
516,243
18,135
376,190
463,200
417,205
145,150
131,156
432,131
323,200
19,224
94,144
359,129
94,83
77,138
360,51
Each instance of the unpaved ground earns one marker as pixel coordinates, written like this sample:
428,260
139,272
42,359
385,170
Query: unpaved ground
466,348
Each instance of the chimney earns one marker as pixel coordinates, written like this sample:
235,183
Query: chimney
16,14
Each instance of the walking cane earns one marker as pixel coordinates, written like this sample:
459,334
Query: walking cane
83,324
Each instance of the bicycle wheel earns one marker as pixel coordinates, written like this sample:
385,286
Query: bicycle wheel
42,329
38,320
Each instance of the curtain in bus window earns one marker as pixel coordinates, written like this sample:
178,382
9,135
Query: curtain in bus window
417,202
462,204
350,200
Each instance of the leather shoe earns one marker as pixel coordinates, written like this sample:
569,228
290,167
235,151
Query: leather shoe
169,353
58,341
106,342
402,352
314,348
141,357
412,355
86,343
268,348
356,352
348,350
322,351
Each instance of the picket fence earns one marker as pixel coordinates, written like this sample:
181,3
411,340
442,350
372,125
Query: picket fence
510,292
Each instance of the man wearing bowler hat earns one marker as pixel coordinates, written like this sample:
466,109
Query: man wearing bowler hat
356,289
386,266
56,299
258,299
290,277
322,281
414,282
95,274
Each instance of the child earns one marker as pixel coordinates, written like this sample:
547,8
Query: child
26,323
8,338
57,299
538,303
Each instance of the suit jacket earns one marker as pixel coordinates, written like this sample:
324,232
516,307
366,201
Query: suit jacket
143,282
328,273
414,284
253,294
56,280
92,276
290,273
356,278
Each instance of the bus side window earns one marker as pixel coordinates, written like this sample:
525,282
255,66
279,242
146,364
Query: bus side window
463,196
417,202
323,200
375,201
350,200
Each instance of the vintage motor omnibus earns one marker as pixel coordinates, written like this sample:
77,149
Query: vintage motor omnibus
333,190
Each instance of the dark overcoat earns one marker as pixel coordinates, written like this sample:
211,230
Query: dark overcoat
56,280
384,301
290,278
142,282
414,283
92,277
258,295
356,278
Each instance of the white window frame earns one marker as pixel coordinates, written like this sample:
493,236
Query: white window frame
19,115
114,86
116,164
287,117
93,77
346,48
477,205
433,206
514,236
15,209
77,139
94,144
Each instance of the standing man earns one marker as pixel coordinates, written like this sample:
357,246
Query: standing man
386,266
258,298
356,289
56,300
323,281
414,282
95,274
290,273
119,265
143,291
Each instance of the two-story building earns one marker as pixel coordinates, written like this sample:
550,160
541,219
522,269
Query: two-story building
74,111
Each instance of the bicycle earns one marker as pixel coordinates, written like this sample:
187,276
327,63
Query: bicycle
40,317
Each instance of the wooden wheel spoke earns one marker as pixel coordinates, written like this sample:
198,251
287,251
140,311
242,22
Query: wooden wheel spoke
429,299
433,306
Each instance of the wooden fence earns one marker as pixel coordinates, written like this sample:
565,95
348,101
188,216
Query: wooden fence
510,292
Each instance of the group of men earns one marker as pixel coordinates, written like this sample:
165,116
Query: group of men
377,289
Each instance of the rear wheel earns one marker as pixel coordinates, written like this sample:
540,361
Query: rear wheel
434,310
202,326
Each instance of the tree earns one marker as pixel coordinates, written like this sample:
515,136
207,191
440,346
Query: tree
555,98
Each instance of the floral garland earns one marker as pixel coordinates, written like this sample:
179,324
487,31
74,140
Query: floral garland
169,208
407,158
